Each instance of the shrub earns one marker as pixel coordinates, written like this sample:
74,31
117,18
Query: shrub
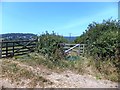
49,45
102,39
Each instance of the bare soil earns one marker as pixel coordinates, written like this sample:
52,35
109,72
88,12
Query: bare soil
66,79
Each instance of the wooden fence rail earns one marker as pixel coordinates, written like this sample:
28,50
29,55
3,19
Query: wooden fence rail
79,48
21,47
15,48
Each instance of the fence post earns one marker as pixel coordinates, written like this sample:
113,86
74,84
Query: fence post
37,44
0,49
83,49
79,50
13,48
6,49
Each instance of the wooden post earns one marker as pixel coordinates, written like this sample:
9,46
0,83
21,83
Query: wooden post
13,49
83,48
79,50
1,50
6,49
36,46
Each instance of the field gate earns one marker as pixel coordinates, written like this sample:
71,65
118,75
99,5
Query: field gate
79,48
18,47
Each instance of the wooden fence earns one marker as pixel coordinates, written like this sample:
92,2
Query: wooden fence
21,47
15,48
79,48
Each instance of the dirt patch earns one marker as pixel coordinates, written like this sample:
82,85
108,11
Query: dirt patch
66,79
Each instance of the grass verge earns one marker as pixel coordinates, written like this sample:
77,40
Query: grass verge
99,69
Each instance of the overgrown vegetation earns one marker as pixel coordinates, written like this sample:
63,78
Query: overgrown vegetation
101,39
37,59
82,66
103,45
49,45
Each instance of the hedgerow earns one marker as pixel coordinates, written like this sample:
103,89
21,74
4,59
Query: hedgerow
101,39
49,45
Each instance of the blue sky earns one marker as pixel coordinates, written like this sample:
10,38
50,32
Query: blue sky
62,17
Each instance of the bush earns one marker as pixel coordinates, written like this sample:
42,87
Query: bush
49,45
102,39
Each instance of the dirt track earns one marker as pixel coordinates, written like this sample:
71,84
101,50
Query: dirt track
66,79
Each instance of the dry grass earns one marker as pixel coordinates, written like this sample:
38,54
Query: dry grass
103,69
100,70
16,74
